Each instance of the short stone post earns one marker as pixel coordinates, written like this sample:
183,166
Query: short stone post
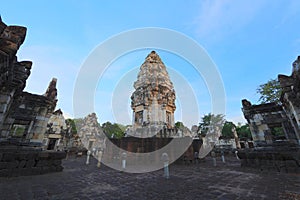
223,157
196,157
236,155
165,159
67,154
124,155
100,153
88,157
213,155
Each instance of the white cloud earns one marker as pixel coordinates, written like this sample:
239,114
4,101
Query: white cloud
217,18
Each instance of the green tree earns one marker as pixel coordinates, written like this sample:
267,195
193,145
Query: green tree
227,130
270,92
244,132
113,130
204,124
209,120
71,122
179,125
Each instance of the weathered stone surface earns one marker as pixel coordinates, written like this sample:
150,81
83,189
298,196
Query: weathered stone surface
286,115
8,157
59,168
22,115
43,155
3,165
56,155
5,172
91,134
22,164
41,163
57,131
13,164
270,153
153,101
281,159
290,97
22,156
30,163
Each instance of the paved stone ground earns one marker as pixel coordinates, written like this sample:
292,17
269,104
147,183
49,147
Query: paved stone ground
194,181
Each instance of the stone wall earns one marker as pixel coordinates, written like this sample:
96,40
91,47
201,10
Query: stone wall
147,145
281,158
17,160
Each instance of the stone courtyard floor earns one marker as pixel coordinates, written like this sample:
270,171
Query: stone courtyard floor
193,181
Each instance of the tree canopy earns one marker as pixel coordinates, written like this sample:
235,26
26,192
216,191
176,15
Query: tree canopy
209,120
113,130
227,130
179,125
244,132
71,122
269,92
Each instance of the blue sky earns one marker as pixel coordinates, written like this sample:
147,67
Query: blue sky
249,41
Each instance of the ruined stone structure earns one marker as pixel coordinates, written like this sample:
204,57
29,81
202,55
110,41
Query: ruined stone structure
262,118
91,135
270,153
153,101
291,98
57,131
23,116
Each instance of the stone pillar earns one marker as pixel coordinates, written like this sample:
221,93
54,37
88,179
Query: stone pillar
145,115
236,138
39,127
6,99
295,119
164,115
133,118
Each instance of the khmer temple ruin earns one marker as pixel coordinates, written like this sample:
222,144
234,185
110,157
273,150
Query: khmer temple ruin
153,101
91,134
57,131
23,116
263,118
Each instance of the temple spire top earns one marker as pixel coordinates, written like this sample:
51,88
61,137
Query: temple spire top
153,57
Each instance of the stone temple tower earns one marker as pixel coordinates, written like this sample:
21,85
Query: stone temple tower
153,101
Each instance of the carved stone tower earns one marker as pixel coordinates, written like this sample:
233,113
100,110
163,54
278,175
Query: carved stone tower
153,101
